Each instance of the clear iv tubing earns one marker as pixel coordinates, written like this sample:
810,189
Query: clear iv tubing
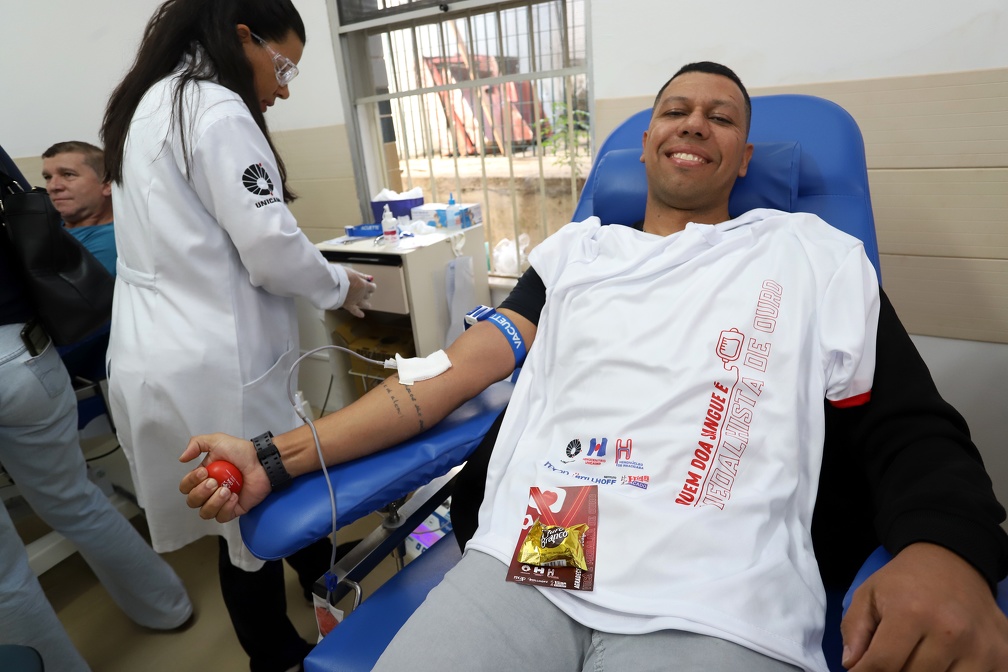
388,364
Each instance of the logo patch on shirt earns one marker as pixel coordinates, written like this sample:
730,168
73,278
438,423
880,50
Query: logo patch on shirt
599,453
636,481
624,448
596,452
257,181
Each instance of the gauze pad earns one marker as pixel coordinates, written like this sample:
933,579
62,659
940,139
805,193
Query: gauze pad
415,369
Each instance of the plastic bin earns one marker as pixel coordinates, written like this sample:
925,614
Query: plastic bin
399,208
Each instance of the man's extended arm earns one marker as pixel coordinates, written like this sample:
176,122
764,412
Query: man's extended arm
385,416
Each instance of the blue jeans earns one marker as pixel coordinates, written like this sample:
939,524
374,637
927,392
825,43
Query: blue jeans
39,448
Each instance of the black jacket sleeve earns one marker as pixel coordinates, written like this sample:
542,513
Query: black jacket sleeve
904,467
528,296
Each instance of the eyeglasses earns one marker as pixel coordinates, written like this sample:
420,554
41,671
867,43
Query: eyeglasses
283,66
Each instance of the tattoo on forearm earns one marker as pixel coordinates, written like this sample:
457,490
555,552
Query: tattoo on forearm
416,405
395,402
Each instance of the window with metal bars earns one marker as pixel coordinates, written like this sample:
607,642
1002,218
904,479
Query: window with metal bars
489,105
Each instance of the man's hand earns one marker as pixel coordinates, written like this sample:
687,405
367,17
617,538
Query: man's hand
927,609
204,493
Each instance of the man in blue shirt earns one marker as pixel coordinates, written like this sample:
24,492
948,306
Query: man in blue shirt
74,174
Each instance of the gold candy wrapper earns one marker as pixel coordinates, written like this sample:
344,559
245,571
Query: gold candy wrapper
554,546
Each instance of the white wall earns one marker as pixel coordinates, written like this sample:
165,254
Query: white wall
62,59
778,42
970,375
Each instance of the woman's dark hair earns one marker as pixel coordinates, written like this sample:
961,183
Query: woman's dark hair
200,37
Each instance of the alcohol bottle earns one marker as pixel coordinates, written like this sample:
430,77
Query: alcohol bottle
389,227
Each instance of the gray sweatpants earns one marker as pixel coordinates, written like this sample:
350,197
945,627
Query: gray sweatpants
474,620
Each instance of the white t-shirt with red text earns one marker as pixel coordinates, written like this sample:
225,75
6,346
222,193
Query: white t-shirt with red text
685,376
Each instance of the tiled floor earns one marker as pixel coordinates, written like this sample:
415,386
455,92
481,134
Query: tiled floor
110,642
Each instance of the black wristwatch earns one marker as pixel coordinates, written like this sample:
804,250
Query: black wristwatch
269,458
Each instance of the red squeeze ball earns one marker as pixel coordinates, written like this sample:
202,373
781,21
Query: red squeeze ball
226,474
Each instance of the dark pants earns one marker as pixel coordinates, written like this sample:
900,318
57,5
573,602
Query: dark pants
257,604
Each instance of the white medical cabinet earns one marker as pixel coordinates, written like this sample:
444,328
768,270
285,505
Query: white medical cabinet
410,276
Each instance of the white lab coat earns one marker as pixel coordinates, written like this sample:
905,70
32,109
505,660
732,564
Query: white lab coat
204,328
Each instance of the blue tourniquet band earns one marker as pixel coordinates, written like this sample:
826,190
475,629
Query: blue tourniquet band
511,333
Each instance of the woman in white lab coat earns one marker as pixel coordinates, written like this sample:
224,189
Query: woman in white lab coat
204,328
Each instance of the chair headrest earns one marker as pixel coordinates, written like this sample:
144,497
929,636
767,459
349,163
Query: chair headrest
620,185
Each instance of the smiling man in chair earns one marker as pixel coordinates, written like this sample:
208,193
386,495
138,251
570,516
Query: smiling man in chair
724,578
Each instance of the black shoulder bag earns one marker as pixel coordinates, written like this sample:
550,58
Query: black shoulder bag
70,291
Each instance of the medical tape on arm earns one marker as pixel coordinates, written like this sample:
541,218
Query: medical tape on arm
415,369
506,327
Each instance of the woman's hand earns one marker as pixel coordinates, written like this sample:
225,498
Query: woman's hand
359,295
206,494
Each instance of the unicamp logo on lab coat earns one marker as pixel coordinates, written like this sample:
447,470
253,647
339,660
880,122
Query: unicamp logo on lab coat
257,180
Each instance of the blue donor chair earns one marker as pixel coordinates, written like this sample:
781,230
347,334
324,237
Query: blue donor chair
809,156
18,658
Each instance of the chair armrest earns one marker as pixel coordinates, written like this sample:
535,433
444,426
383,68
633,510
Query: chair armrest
357,643
879,557
289,520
